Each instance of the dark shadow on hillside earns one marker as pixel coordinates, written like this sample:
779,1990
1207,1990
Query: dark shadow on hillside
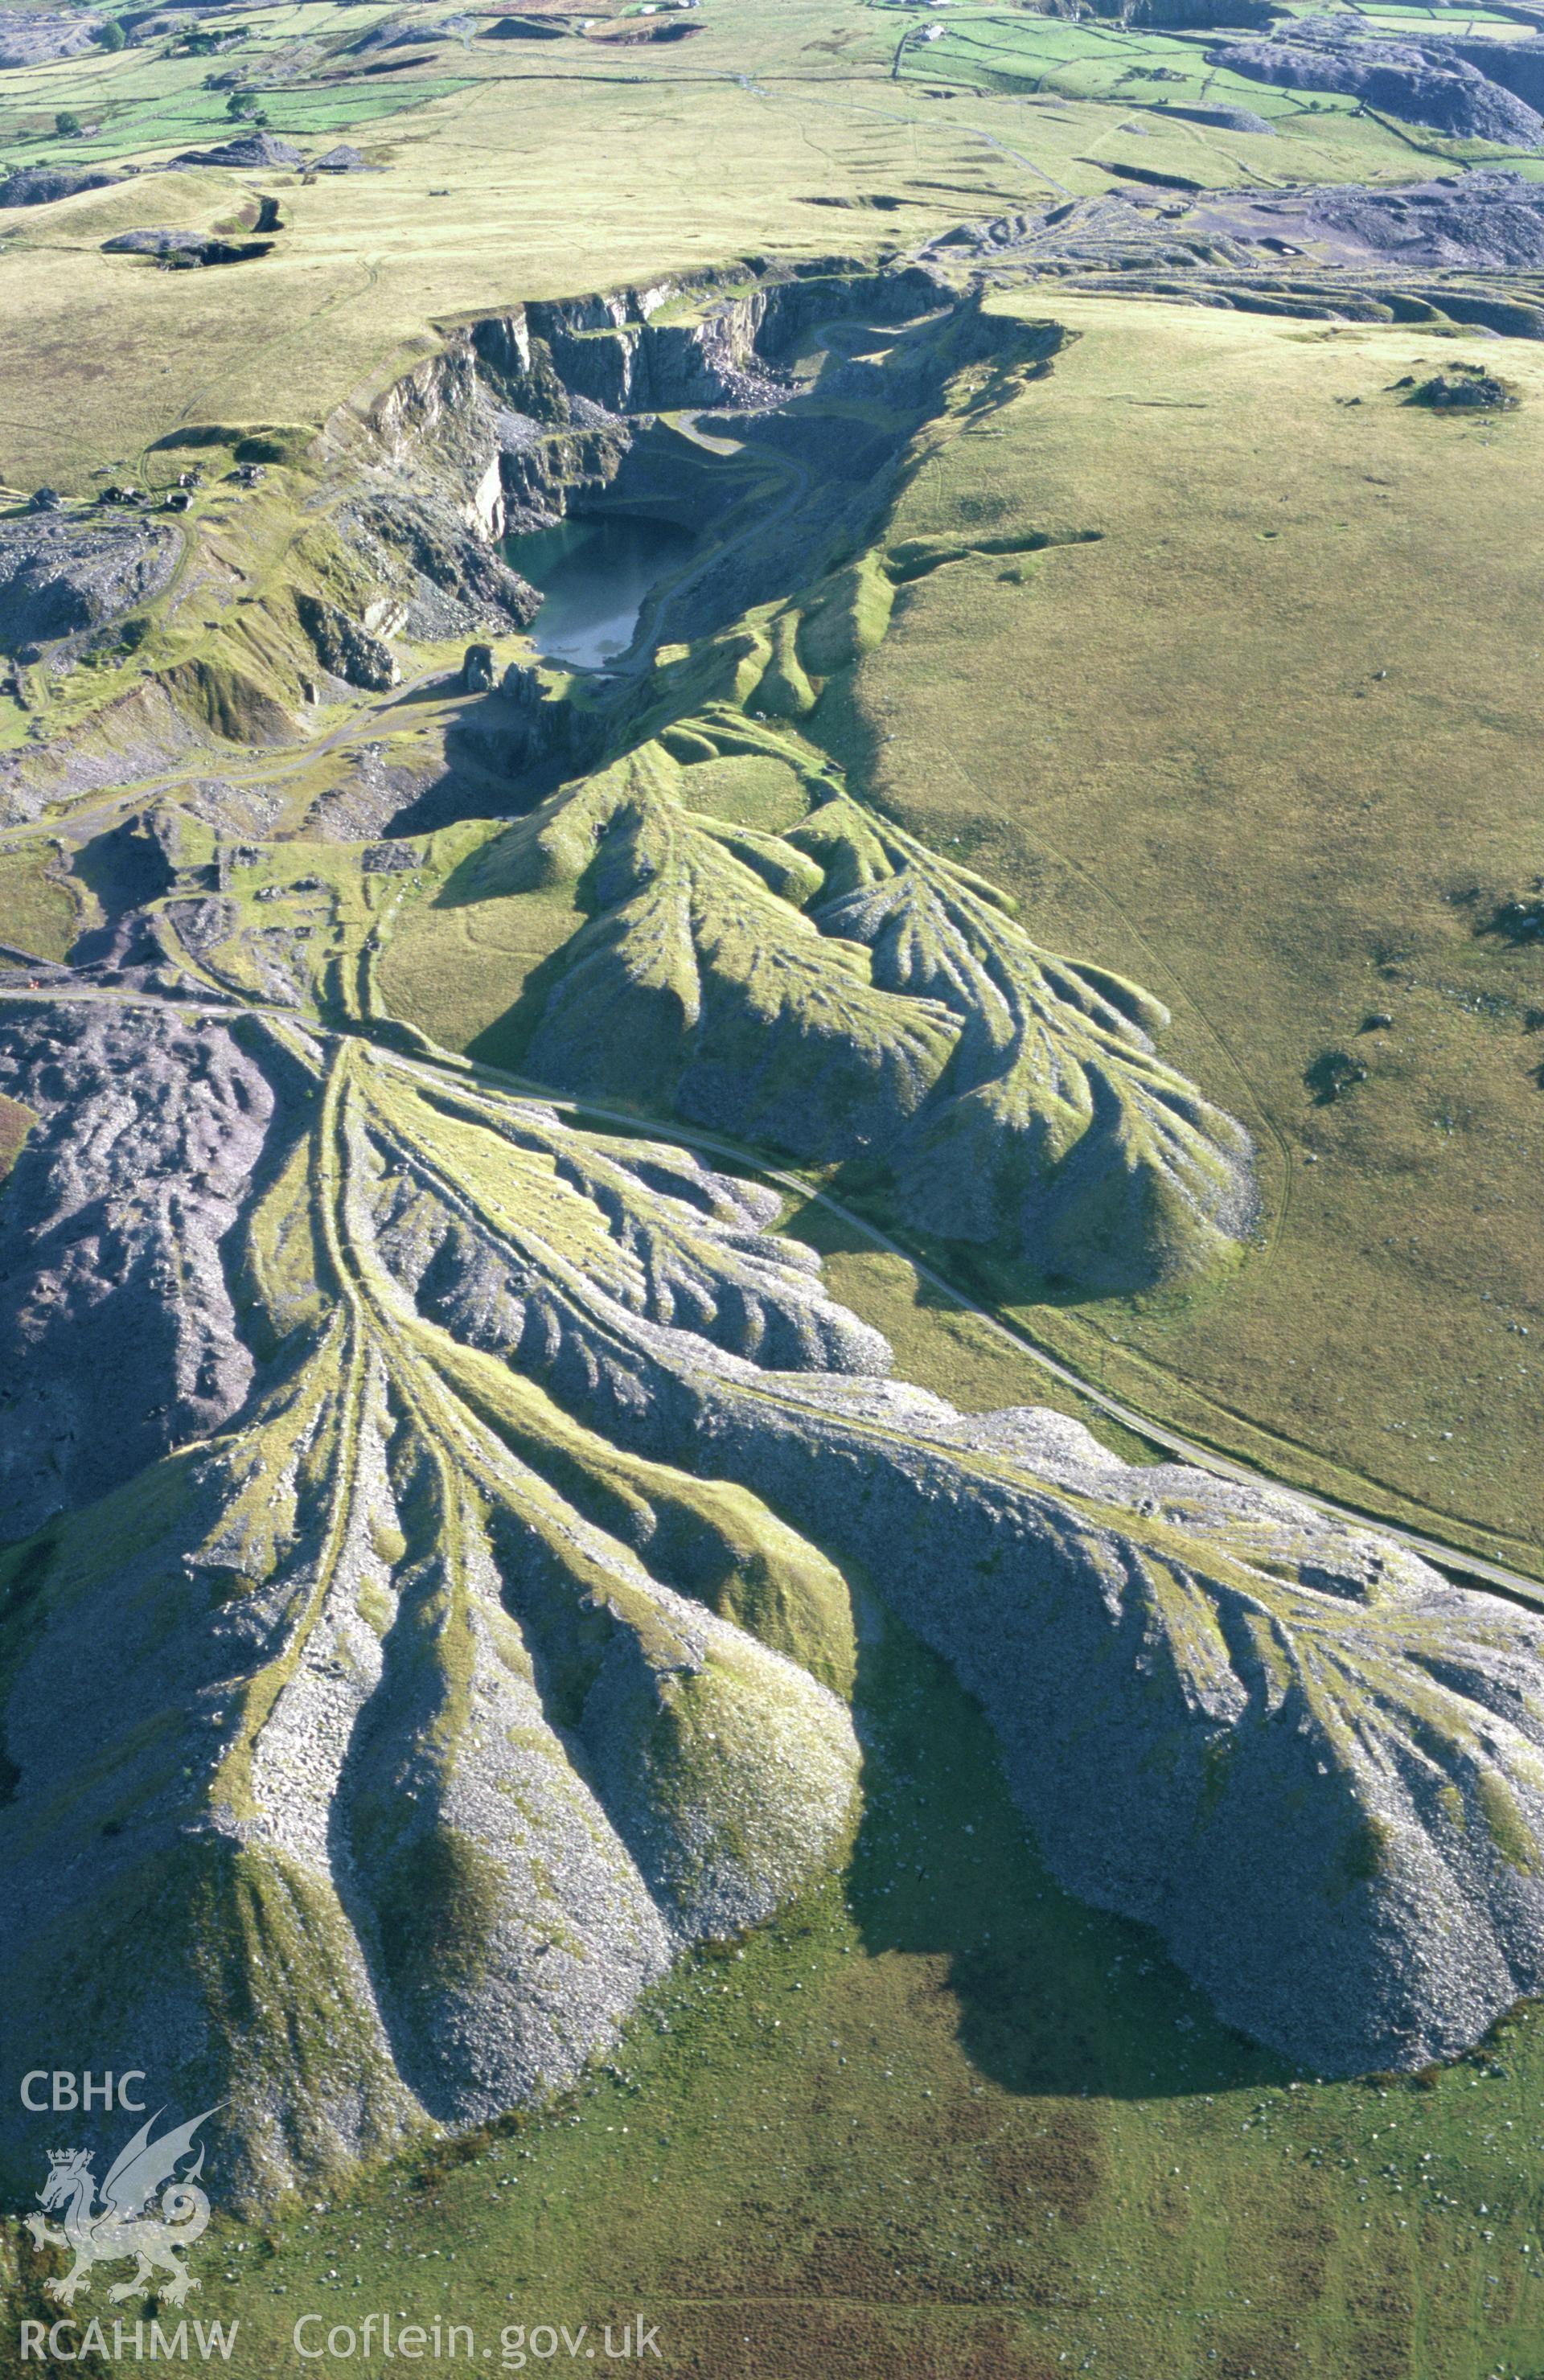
505,1042
991,1273
1053,1997
123,868
500,762
842,728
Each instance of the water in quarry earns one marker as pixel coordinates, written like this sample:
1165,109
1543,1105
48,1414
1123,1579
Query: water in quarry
594,576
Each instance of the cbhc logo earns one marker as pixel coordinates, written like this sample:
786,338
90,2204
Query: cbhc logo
66,2090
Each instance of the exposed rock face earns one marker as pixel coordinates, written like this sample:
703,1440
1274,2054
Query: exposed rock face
538,728
611,352
531,409
512,424
1425,83
28,39
478,1653
457,579
63,577
250,149
38,185
344,648
1492,220
185,248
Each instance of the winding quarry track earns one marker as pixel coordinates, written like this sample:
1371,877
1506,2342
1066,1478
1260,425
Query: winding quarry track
1447,1558
1457,1561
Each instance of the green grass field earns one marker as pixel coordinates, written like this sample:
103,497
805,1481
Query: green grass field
1144,75
780,131
1259,747
37,915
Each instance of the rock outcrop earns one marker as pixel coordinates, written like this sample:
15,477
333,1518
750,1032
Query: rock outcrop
479,670
63,577
1423,82
344,648
249,149
185,248
39,186
453,578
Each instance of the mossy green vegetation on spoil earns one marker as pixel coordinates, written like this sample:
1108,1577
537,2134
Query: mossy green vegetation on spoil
1146,667
975,759
39,910
941,2117
697,986
439,1663
825,983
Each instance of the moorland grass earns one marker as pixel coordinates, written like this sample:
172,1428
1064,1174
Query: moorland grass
15,1122
1259,746
778,130
38,914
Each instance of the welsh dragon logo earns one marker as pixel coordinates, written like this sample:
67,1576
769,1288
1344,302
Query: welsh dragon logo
126,2224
